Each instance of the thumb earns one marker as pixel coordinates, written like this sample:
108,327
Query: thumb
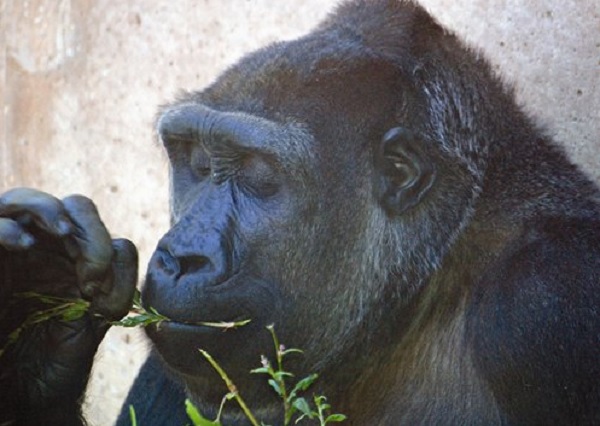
116,303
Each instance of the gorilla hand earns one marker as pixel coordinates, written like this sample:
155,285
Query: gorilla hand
57,248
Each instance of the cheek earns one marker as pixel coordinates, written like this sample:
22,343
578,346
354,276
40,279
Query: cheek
315,277
267,233
314,257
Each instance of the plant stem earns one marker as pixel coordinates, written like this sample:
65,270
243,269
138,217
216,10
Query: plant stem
284,396
231,386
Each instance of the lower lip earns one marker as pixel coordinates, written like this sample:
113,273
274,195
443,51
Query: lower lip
196,329
181,327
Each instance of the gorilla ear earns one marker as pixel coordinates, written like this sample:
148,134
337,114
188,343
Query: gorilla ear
407,173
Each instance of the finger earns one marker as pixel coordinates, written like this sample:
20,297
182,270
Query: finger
115,304
93,262
45,210
13,236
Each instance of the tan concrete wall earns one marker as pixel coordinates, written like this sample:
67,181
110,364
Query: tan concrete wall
80,81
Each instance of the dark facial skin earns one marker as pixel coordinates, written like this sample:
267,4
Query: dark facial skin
231,194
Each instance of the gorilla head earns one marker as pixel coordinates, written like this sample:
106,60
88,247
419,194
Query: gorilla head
351,187
302,188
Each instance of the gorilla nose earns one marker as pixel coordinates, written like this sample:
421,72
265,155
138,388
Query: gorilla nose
200,269
194,263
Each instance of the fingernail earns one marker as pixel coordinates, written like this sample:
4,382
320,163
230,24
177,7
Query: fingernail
63,227
26,240
90,288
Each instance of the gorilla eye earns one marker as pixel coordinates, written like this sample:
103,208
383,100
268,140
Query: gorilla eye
258,177
200,163
177,151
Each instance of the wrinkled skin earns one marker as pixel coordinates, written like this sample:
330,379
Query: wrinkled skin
373,190
60,248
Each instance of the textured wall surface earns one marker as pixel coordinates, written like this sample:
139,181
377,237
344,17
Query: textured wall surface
80,81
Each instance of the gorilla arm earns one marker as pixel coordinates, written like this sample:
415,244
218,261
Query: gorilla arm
58,248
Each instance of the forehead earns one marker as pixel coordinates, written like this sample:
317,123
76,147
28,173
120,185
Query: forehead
323,72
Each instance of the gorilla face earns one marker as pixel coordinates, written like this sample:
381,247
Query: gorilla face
272,188
297,201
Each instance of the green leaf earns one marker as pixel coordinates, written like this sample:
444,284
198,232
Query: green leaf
143,319
74,314
14,335
261,370
306,382
137,298
196,417
301,405
276,386
324,407
291,351
302,385
321,402
335,418
281,375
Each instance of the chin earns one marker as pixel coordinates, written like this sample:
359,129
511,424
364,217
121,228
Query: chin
237,350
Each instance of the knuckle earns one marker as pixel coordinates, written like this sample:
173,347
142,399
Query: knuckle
79,202
124,247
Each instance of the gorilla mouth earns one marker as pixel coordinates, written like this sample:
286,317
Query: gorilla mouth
219,305
222,325
170,329
179,327
178,343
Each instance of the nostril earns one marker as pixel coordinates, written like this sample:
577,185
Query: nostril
177,266
168,263
194,263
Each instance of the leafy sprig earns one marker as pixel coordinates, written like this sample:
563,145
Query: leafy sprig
69,309
293,402
141,317
60,308
65,309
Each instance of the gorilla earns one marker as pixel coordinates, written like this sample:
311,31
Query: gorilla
374,191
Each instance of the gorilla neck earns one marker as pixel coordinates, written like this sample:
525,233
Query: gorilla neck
420,343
